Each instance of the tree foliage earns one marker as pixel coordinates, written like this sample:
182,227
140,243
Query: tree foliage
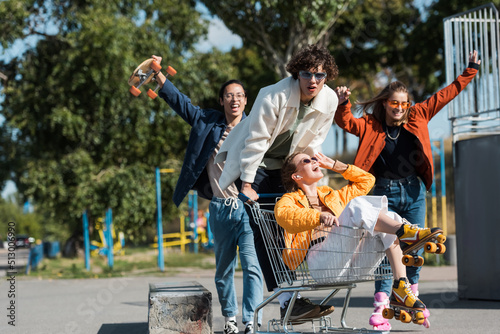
277,29
74,137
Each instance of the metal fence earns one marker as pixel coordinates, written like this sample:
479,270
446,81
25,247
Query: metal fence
476,111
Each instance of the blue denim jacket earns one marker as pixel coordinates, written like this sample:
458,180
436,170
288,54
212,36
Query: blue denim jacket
207,128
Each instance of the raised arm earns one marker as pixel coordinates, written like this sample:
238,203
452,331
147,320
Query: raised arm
430,107
343,117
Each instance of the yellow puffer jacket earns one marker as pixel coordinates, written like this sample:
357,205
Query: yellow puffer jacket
298,219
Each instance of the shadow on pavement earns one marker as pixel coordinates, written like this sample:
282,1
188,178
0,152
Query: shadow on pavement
444,300
131,328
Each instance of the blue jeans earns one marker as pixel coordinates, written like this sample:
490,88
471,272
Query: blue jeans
406,197
231,229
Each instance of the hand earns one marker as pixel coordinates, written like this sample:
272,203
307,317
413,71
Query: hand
473,58
247,190
328,220
160,77
324,161
157,59
343,93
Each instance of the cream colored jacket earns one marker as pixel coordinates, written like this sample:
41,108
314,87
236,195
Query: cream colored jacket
274,112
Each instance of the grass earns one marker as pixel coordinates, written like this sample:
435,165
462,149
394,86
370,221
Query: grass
139,261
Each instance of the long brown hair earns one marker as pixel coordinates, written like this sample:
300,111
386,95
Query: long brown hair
375,105
287,170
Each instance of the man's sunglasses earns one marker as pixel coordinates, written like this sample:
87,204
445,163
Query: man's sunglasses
308,75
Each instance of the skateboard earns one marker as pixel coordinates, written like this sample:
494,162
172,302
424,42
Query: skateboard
433,243
146,73
404,314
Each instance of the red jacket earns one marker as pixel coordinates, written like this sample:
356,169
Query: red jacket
372,136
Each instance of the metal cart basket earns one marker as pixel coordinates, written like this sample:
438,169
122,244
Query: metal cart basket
340,257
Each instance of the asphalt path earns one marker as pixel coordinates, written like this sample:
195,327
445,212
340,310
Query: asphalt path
120,305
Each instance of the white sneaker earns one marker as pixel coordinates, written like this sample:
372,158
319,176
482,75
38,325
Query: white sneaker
249,329
231,327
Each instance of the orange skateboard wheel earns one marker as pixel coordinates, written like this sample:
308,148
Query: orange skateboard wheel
135,91
171,71
441,238
152,94
155,66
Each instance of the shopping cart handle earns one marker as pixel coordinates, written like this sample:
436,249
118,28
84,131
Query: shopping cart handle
245,199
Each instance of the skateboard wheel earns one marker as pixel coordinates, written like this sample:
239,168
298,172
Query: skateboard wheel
430,247
408,260
135,91
388,313
155,66
171,71
152,94
419,262
441,238
419,318
440,249
405,317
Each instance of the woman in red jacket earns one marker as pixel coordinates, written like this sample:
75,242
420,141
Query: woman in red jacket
394,145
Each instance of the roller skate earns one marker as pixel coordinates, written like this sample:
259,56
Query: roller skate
381,302
404,305
427,323
412,238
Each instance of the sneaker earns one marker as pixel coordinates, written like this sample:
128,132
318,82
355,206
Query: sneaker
323,309
427,323
231,327
381,301
301,309
412,237
249,329
402,295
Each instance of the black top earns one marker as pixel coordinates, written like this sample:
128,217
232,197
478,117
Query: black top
400,156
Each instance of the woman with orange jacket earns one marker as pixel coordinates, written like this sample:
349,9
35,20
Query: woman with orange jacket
394,145
307,210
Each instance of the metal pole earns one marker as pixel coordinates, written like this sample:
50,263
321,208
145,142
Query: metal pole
443,189
86,240
109,236
159,225
195,218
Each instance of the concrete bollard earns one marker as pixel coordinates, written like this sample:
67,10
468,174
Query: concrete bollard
451,249
180,307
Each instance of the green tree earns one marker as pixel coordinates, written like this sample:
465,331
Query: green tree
277,29
79,140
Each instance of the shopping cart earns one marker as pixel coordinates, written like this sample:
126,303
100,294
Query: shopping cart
340,257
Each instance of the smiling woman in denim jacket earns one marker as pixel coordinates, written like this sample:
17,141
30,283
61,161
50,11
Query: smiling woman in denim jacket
228,219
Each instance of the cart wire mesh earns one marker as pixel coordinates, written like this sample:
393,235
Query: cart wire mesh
337,258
